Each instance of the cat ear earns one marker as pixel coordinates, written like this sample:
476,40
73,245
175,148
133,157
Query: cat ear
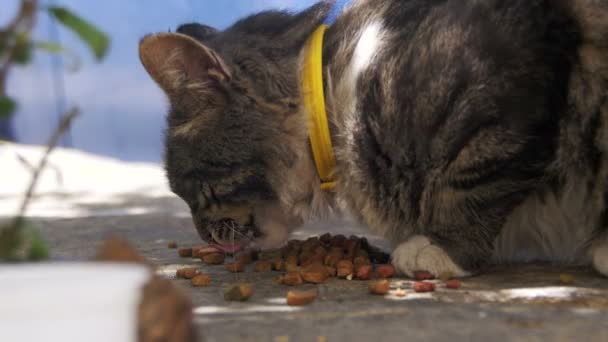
176,62
306,22
198,31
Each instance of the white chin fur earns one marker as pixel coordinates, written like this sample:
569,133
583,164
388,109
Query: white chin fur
274,225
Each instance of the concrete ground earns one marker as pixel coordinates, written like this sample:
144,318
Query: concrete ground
519,303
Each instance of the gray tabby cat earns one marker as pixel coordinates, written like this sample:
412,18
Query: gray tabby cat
467,132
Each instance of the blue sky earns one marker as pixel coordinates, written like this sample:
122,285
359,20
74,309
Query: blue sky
122,109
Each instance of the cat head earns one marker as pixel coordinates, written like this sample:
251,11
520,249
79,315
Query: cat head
234,135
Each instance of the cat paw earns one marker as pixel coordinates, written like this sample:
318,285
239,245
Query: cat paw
600,258
419,254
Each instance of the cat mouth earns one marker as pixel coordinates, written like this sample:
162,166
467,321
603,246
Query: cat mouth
229,236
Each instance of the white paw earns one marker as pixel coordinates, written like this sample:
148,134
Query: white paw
418,254
600,258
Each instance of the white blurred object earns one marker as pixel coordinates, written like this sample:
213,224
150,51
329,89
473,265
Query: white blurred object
61,302
79,184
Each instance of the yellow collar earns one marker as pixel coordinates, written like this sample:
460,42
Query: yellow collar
314,102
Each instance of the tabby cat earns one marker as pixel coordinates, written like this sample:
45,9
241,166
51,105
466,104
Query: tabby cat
466,132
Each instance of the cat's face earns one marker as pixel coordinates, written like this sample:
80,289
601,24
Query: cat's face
233,97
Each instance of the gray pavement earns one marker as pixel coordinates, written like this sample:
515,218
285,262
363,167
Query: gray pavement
525,303
84,199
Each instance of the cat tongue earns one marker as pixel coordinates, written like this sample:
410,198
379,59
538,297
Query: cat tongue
230,249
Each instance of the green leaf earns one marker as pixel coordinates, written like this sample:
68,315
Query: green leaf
38,249
55,48
7,106
97,41
22,54
50,47
23,49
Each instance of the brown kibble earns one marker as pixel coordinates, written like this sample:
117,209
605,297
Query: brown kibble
270,255
298,298
325,238
315,274
213,258
567,279
320,250
362,253
292,268
445,276
291,279
345,271
424,286
201,280
291,259
360,261
244,258
338,240
172,244
303,257
185,252
332,259
314,277
187,273
364,272
235,267
314,259
238,293
279,265
200,252
453,284
423,275
263,266
351,247
379,287
336,250
344,263
385,271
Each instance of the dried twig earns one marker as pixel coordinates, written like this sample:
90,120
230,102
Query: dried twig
63,126
10,236
21,24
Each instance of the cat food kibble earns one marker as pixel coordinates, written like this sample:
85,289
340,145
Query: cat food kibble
185,252
315,274
453,284
291,279
200,252
445,276
187,272
379,287
172,244
298,298
364,272
263,266
213,258
235,267
566,279
385,271
423,275
424,286
238,293
244,258
201,280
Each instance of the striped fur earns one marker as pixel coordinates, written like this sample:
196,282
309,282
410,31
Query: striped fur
465,131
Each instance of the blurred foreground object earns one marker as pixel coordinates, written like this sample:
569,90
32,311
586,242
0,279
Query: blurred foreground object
165,312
